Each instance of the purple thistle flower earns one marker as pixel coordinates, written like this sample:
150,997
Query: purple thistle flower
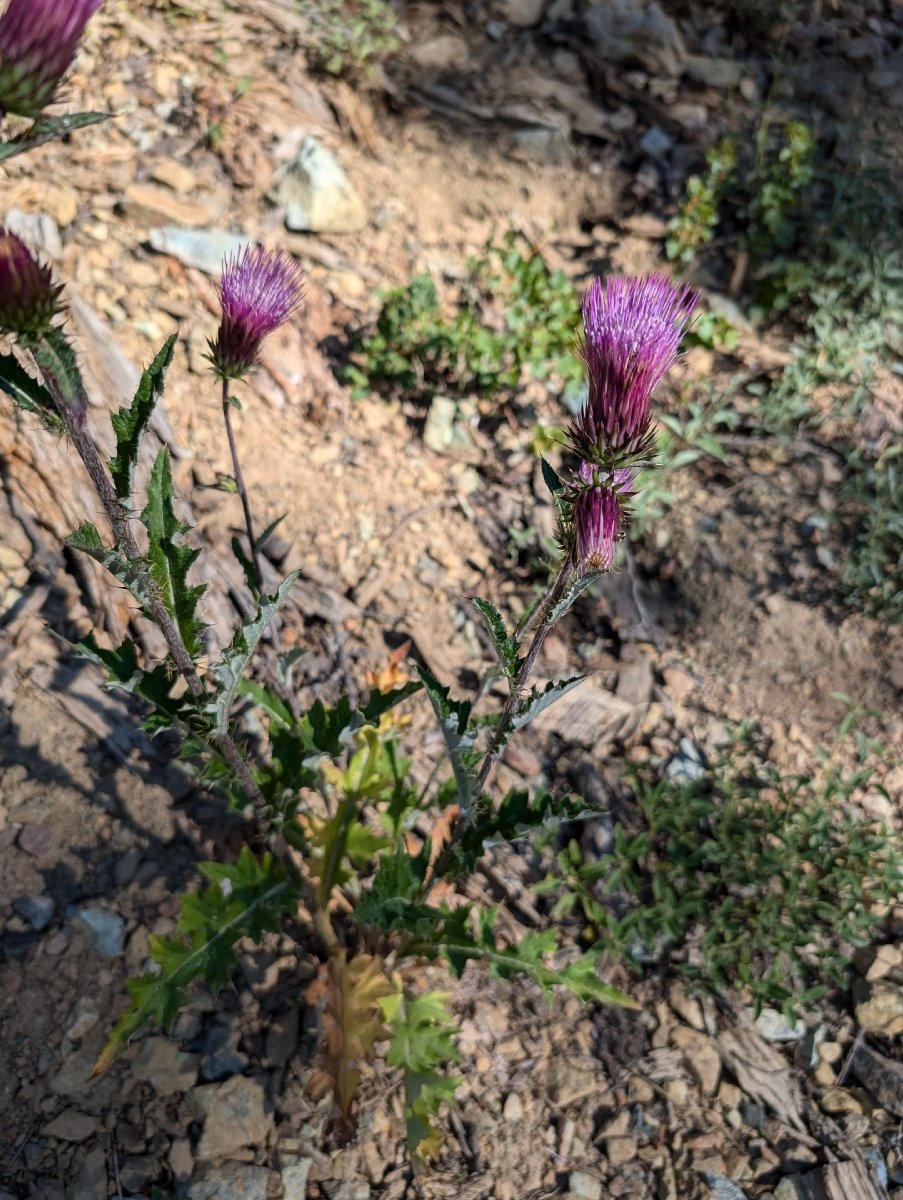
259,291
29,299
38,42
632,333
599,513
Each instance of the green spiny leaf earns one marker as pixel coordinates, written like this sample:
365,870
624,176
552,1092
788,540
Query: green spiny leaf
46,129
422,1032
453,716
578,586
550,477
133,575
234,662
243,900
130,423
507,648
538,700
169,558
28,393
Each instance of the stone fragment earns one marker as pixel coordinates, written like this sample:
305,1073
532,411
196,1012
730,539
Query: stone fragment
104,929
234,1115
36,909
634,31
71,1126
655,143
317,195
621,1150
150,205
584,1185
221,1056
282,1037
181,1161
569,1084
82,1019
686,1006
774,1027
164,1066
294,1179
701,1057
723,73
836,1100
137,1172
234,1181
721,1187
513,1109
175,175
881,1008
522,13
91,1181
201,248
441,53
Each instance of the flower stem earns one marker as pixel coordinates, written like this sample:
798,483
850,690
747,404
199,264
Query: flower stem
556,591
242,490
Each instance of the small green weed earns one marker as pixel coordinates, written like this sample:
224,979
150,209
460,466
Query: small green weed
694,225
682,438
873,574
351,37
511,315
746,878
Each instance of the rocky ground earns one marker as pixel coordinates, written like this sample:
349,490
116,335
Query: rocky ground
525,114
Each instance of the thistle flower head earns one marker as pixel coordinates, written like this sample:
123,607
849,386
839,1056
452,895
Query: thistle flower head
29,299
599,515
38,42
259,291
632,332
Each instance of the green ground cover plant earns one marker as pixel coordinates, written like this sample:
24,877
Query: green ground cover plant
350,37
746,878
511,317
823,259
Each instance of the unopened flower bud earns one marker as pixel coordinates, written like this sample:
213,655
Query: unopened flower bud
29,299
599,514
259,291
38,42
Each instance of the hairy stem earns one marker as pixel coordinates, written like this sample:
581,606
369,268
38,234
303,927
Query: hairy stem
240,486
71,399
555,592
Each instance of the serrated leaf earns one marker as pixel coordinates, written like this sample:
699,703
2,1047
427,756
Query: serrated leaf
130,423
507,648
550,477
453,716
422,1031
232,665
538,701
169,558
527,958
133,575
578,586
247,568
517,815
348,995
268,532
29,394
46,129
210,925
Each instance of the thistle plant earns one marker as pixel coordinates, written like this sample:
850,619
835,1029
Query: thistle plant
259,291
329,795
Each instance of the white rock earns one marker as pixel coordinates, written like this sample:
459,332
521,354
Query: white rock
317,195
